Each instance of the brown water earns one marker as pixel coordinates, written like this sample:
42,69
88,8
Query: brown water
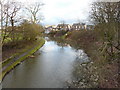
51,67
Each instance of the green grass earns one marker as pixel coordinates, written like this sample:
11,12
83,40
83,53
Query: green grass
40,43
20,51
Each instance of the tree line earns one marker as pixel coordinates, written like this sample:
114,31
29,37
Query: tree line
19,22
106,17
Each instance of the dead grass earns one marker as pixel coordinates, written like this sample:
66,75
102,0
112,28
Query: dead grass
107,69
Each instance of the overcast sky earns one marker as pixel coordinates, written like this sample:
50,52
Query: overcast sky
70,11
55,11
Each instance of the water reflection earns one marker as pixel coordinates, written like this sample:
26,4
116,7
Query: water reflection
51,67
81,56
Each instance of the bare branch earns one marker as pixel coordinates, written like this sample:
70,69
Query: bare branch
34,10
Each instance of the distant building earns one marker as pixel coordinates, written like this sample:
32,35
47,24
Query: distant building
63,27
75,26
49,27
78,26
54,28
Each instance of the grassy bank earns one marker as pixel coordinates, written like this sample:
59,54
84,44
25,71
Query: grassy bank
32,49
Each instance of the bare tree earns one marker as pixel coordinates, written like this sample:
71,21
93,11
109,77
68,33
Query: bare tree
9,11
34,10
105,12
3,19
1,13
106,18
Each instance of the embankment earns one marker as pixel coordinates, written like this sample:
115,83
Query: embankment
16,59
105,69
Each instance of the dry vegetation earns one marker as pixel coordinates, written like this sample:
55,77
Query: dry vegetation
103,71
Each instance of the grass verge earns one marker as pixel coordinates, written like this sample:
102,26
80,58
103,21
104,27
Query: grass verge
39,43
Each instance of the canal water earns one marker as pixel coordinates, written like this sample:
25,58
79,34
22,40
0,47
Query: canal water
51,67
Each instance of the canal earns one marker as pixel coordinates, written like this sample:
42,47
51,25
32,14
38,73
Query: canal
51,67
